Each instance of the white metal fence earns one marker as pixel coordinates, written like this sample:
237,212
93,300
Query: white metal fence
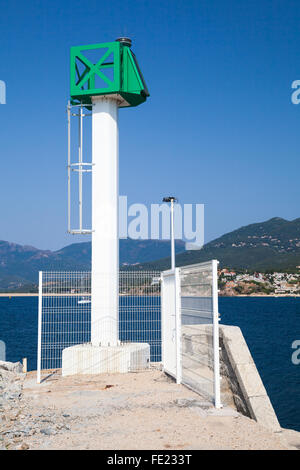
200,329
65,314
185,335
171,336
190,322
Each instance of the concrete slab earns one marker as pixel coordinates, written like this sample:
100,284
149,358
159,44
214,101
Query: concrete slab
263,412
249,380
253,391
89,359
237,348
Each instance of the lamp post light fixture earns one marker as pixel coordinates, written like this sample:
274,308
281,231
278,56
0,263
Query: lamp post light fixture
172,200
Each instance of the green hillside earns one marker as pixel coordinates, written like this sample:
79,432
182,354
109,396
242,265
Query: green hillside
273,245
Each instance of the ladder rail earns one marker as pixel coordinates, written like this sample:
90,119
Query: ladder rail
80,167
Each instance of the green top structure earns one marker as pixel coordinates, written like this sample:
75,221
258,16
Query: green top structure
103,69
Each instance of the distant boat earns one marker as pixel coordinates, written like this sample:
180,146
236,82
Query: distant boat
84,300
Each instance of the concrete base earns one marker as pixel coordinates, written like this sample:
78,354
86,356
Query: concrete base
89,359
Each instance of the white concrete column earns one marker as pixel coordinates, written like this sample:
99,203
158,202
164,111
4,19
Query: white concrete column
105,239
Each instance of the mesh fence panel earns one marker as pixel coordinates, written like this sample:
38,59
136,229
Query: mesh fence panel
196,328
65,317
140,310
65,313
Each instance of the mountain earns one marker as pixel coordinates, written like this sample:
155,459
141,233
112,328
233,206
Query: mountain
273,245
19,265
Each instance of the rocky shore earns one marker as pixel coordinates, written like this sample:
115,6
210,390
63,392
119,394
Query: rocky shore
19,421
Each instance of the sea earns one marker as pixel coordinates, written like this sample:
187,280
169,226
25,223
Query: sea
270,326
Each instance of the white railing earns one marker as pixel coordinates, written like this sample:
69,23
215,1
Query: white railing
190,322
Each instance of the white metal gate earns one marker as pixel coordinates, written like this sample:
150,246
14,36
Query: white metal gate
170,301
191,347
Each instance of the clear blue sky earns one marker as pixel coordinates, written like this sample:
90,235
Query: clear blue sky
219,127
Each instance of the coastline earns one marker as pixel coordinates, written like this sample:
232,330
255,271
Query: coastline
35,294
18,294
262,295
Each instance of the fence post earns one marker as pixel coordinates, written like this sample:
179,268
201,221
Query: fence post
216,346
162,318
39,354
178,325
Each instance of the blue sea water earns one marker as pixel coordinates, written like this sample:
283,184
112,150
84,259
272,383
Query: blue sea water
270,325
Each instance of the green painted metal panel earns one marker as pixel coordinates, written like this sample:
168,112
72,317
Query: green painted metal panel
103,69
84,84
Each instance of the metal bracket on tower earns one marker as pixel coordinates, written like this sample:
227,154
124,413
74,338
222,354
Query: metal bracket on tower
80,167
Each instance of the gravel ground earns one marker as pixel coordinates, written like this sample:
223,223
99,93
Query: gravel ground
145,410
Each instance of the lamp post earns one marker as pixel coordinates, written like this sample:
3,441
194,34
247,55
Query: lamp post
172,200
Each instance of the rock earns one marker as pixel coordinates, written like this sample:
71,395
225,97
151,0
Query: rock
23,446
47,431
61,427
11,396
11,383
15,367
26,430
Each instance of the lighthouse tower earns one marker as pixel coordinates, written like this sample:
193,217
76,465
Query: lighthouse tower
105,77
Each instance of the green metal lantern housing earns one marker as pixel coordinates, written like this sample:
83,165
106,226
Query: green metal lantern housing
107,69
